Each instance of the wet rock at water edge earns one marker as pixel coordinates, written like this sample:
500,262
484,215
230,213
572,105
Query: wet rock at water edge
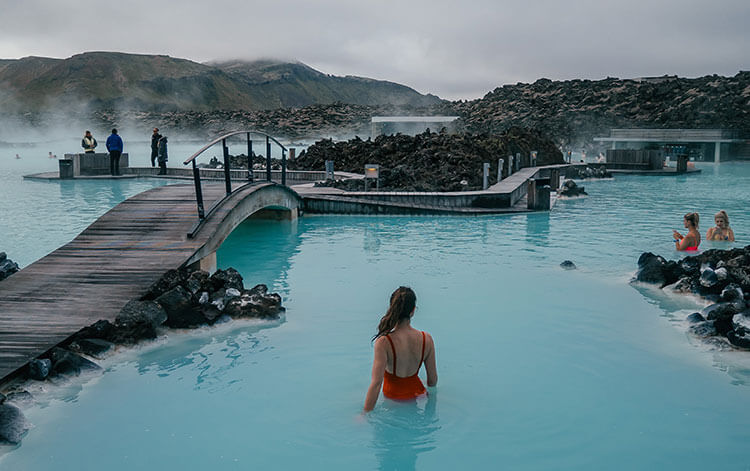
695,318
683,285
13,424
255,302
198,281
229,278
20,397
739,338
65,362
568,265
39,368
703,329
570,188
7,266
137,312
178,305
91,347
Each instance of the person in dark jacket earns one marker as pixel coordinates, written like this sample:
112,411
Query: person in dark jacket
114,146
162,155
88,143
155,146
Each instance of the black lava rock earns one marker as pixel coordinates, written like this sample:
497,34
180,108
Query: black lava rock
7,266
137,312
91,347
13,424
229,278
695,317
39,368
178,304
570,188
568,265
167,282
703,329
65,362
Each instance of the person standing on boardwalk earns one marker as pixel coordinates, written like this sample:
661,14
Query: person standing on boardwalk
155,146
114,146
162,155
88,143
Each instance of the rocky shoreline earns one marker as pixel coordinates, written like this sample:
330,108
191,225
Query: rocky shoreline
429,161
180,299
718,276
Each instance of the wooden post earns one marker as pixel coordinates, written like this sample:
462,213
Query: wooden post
682,161
554,178
541,201
531,194
500,165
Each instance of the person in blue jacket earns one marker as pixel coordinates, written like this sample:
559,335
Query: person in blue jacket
114,146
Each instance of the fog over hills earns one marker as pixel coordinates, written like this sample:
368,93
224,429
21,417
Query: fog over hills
112,80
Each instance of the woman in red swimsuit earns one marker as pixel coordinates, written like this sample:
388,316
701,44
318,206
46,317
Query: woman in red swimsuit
400,351
692,239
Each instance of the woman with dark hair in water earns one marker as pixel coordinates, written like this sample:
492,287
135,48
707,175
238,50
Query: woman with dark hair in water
722,231
692,239
400,351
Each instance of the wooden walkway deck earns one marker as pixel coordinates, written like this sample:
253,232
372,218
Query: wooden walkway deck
92,277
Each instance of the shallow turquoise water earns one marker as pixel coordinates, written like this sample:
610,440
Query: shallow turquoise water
539,368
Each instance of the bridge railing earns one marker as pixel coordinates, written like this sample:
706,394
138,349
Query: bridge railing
269,141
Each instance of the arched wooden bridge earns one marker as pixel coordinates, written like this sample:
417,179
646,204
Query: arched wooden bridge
119,256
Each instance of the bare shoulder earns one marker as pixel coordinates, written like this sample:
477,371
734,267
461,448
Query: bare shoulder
428,339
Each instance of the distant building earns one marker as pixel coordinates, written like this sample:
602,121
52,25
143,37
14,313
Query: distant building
412,125
699,144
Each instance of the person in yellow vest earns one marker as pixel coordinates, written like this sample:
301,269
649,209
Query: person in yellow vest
88,143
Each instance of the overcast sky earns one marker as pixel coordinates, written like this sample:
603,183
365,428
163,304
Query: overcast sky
454,49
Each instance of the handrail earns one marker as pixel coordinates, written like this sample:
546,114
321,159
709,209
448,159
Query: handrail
227,170
233,133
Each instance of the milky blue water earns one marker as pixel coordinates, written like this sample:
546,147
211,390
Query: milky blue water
539,368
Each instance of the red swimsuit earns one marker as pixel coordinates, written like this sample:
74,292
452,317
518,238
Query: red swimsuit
396,387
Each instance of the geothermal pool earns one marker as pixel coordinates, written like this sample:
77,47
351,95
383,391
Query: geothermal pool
539,368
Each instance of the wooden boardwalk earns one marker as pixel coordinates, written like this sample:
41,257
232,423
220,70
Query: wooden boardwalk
92,277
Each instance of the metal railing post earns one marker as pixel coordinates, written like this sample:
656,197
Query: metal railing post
198,191
268,159
283,167
249,159
227,175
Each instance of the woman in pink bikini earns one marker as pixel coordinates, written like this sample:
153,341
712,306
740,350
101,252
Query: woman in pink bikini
400,351
692,239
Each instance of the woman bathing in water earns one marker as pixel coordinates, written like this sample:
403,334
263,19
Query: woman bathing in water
722,231
692,239
400,351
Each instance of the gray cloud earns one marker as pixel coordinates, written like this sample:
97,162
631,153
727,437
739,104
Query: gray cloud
452,49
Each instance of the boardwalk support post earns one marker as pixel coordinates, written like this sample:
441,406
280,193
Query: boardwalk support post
500,165
531,194
227,175
198,191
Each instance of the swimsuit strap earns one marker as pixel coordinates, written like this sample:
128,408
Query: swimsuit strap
422,357
393,349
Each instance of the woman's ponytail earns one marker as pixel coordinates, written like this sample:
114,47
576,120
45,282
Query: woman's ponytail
403,301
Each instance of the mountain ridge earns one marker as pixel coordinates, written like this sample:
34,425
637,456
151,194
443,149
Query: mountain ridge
115,80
